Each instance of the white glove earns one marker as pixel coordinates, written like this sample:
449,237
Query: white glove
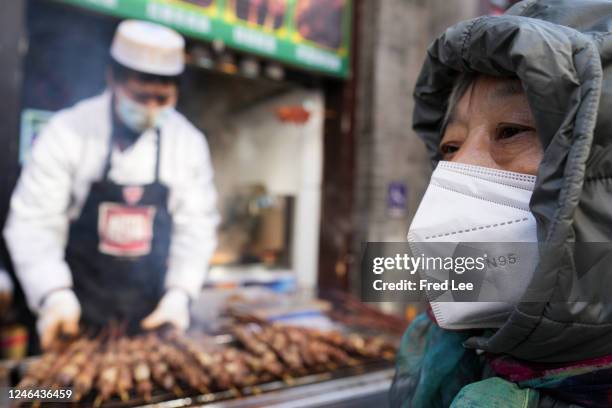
60,314
173,308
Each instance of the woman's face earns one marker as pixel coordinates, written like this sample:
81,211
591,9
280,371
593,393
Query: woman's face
492,126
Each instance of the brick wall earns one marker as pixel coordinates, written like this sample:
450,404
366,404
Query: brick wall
394,35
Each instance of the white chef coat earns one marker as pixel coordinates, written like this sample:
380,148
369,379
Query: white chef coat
69,156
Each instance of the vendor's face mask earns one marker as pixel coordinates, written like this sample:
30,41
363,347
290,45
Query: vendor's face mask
485,210
139,117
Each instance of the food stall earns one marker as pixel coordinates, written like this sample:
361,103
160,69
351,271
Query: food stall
265,83
256,87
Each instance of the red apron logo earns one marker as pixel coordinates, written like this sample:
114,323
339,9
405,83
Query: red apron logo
125,231
132,194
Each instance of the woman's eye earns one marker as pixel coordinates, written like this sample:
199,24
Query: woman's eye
447,149
506,132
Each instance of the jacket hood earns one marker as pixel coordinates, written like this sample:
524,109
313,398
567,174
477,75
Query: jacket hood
561,50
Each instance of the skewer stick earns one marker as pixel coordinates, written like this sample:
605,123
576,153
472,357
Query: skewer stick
177,391
97,401
352,362
208,397
387,355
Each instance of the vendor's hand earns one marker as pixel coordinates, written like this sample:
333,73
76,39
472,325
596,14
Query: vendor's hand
59,315
173,308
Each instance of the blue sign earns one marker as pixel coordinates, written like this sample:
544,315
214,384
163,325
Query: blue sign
397,199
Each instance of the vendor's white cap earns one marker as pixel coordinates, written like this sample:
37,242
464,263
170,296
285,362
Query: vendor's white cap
149,48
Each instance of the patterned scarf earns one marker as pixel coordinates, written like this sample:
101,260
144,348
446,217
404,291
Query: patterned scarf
587,383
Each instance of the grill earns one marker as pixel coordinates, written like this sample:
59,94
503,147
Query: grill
368,378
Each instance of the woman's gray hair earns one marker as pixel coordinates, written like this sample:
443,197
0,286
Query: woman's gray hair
463,82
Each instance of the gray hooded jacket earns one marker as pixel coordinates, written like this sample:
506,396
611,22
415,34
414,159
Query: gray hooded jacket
562,52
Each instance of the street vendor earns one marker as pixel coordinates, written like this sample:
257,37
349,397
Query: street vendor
114,215
514,111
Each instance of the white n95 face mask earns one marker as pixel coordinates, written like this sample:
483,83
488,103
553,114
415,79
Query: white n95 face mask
138,117
482,208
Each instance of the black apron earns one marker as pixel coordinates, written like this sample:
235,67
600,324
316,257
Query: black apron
118,249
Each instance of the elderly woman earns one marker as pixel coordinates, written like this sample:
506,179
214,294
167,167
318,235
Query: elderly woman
516,114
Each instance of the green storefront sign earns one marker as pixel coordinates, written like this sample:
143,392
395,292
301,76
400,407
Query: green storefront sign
313,34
